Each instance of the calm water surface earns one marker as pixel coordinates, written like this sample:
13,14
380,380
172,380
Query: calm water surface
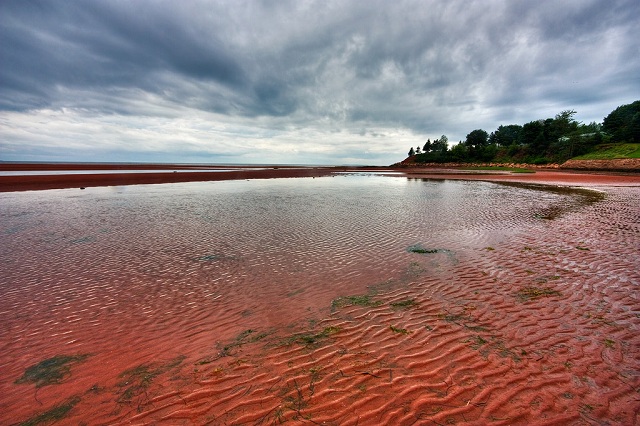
136,273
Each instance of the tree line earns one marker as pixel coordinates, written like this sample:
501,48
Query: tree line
552,140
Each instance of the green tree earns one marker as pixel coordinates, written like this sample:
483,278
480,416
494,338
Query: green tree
530,132
539,141
477,139
563,124
476,143
506,135
440,145
620,123
459,152
635,127
562,137
411,152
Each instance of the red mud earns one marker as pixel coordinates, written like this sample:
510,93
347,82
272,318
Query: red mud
554,177
182,173
59,181
541,327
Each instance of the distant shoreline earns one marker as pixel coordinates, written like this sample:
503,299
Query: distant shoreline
190,173
60,181
19,166
627,165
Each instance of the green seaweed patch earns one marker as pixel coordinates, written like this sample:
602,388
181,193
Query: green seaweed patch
485,347
311,339
504,352
249,336
399,330
448,317
532,293
477,342
137,380
360,300
51,371
461,320
208,258
245,337
403,304
421,250
56,413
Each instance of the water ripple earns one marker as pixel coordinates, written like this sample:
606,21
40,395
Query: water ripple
212,303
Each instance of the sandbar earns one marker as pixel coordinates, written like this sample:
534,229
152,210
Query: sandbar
193,173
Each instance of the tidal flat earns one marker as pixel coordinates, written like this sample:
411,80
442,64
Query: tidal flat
342,299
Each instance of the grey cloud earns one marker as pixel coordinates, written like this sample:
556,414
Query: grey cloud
98,46
429,67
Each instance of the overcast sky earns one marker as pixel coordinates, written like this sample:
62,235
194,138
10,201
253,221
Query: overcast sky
299,82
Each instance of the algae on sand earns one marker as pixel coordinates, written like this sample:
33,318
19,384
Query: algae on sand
52,415
311,339
532,293
361,300
419,249
247,336
51,371
399,330
403,304
136,380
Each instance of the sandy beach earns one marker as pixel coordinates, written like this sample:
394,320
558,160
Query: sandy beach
528,314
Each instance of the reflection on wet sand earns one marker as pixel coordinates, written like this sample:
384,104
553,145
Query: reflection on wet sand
338,300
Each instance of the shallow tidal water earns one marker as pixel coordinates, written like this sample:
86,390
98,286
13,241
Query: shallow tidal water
336,300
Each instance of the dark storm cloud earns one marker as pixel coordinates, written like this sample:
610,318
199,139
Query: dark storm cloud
429,67
103,46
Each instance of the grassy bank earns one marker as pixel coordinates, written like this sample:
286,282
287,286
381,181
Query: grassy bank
612,152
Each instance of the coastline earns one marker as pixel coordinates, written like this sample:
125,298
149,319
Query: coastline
179,173
195,173
541,176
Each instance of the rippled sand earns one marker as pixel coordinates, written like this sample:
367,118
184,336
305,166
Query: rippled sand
344,300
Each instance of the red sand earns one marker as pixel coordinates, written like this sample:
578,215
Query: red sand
59,181
554,177
541,328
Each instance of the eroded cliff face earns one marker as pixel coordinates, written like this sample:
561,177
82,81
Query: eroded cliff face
626,164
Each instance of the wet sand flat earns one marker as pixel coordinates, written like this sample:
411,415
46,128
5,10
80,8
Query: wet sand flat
217,173
346,300
549,177
181,173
